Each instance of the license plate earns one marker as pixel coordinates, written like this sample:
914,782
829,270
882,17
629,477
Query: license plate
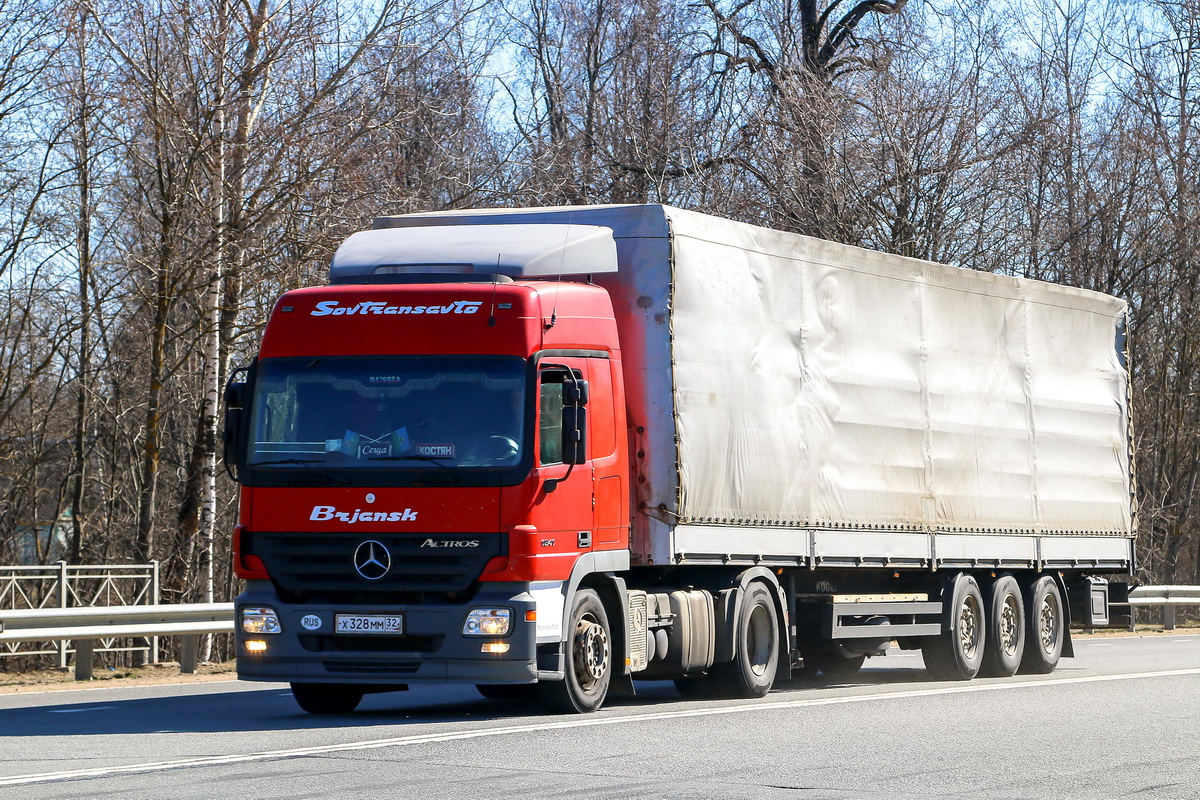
369,623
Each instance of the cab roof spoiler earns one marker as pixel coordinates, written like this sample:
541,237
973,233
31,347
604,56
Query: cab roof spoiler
474,253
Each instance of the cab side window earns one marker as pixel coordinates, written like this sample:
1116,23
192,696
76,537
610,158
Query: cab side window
550,407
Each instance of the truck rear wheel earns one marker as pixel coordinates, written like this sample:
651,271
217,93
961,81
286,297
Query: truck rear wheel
1046,627
588,659
957,654
751,673
327,698
1005,643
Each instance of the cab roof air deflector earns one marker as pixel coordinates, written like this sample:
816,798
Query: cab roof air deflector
517,251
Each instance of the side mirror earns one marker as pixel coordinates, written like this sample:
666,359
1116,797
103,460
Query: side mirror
236,394
575,393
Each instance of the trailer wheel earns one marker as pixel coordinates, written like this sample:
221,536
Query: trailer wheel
507,691
751,673
327,698
588,663
1046,625
957,654
1005,643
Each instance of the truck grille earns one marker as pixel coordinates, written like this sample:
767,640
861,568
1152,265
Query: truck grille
319,567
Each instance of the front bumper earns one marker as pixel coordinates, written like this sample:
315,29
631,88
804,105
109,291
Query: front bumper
432,649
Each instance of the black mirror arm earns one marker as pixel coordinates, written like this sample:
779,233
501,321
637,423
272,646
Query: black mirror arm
552,484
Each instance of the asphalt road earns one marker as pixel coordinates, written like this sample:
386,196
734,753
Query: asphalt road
1122,719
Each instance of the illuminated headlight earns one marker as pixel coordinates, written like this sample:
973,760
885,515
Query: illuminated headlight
255,646
488,622
262,619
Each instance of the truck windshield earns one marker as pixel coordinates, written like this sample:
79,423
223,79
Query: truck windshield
388,412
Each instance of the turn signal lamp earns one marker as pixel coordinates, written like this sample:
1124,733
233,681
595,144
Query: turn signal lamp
494,647
260,619
255,645
488,622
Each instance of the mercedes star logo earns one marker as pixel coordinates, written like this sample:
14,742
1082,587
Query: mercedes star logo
372,560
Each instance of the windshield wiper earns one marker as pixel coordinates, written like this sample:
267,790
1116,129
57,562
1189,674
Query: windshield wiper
306,463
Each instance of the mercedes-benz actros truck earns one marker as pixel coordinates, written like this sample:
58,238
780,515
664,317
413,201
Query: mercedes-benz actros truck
553,451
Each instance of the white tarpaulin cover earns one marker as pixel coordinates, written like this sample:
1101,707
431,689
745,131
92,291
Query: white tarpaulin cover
825,385
784,381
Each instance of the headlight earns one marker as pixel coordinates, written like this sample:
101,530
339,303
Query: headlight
260,620
488,622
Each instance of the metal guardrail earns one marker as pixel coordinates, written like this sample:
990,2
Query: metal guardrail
85,626
1169,597
64,585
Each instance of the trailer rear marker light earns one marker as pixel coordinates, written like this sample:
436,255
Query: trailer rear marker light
494,647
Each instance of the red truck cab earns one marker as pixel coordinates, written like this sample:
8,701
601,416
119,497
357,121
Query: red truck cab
426,462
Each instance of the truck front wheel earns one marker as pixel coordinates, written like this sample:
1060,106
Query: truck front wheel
588,659
957,653
327,698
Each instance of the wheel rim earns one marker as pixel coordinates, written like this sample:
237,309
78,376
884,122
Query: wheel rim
759,640
1010,621
591,652
1048,624
968,627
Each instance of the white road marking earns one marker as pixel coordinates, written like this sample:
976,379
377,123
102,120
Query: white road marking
1100,644
583,722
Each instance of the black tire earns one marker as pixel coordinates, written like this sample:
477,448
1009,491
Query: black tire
751,673
507,691
1046,624
588,662
957,654
1005,643
327,698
